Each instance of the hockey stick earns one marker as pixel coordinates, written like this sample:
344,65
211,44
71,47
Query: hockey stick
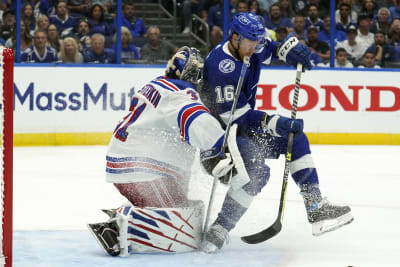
276,227
246,63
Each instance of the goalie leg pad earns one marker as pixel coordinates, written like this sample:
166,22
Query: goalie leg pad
163,192
160,230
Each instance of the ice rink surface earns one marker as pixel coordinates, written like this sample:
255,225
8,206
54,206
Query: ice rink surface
58,190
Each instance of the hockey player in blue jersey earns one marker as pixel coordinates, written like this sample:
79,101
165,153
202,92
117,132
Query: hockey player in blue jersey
260,135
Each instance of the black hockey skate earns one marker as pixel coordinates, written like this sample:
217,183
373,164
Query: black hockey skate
326,217
106,234
214,239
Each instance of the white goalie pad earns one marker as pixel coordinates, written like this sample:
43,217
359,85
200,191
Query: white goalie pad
160,230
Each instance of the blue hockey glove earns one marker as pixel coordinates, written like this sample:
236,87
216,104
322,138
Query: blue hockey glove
292,51
281,126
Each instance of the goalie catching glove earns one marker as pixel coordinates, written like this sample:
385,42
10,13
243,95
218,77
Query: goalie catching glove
228,167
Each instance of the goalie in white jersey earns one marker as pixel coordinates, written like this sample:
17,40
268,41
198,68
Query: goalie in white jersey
149,160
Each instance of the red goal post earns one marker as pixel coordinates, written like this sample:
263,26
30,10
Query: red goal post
6,155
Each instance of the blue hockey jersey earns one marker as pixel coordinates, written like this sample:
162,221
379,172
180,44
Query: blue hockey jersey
221,75
107,57
31,55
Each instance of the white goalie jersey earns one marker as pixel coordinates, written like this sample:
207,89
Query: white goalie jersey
159,136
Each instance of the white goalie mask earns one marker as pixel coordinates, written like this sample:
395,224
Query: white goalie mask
186,64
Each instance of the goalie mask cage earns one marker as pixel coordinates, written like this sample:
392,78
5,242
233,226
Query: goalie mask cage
6,155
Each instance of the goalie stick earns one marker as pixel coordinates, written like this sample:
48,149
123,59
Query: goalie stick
246,63
276,227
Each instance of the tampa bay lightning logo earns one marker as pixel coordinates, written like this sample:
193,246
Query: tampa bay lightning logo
244,20
226,66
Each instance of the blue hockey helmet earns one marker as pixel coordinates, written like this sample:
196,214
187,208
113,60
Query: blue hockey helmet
186,65
247,25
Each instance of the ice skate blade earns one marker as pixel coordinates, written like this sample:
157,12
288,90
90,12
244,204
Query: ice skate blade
322,227
101,242
97,239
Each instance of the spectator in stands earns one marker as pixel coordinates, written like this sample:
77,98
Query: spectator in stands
324,34
253,6
191,7
52,37
369,8
65,23
323,7
129,51
364,35
275,19
341,59
8,27
317,46
394,33
78,8
314,58
382,22
209,3
69,52
299,23
345,19
313,18
265,5
385,3
369,61
395,10
133,23
352,13
242,6
286,8
46,7
108,5
42,23
97,22
12,4
281,33
25,40
39,52
82,35
383,51
300,7
156,49
27,16
97,52
354,49
215,20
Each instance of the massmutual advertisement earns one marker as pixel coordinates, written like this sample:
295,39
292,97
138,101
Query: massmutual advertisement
80,105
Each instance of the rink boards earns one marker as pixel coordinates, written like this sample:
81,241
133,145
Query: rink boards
81,105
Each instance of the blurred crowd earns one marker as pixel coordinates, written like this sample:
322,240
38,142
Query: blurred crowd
367,32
